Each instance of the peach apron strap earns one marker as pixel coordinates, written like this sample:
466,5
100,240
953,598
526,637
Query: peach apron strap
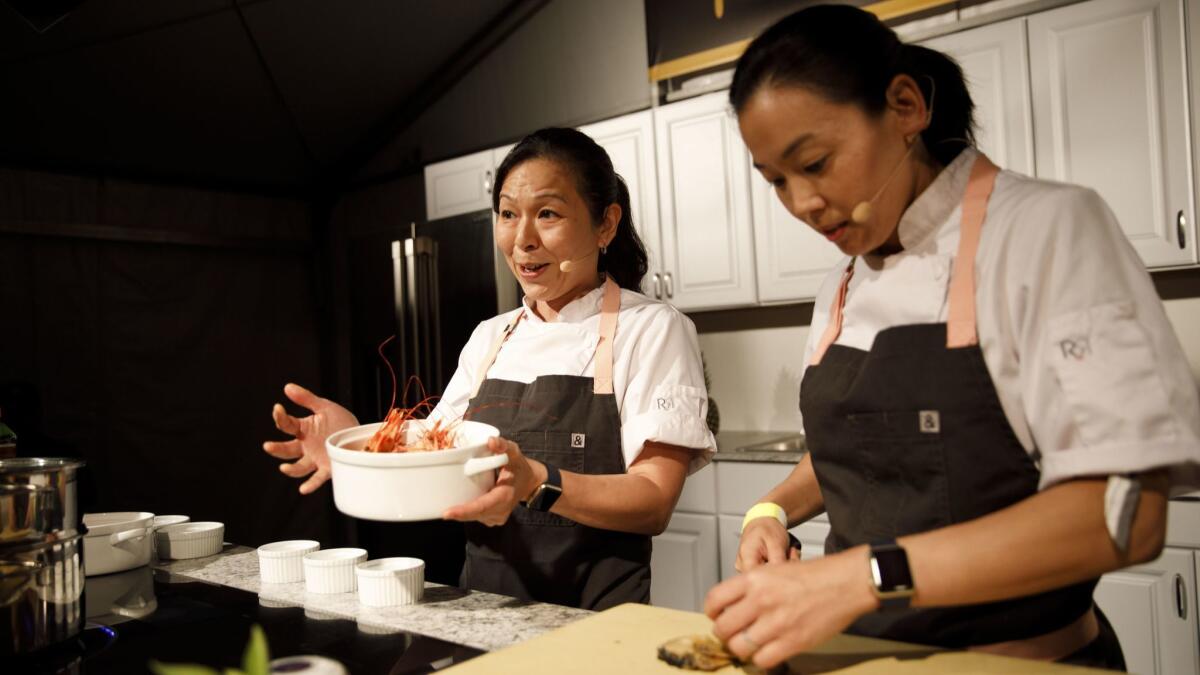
488,360
960,323
610,306
833,328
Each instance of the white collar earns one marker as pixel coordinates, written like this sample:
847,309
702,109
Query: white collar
575,311
933,207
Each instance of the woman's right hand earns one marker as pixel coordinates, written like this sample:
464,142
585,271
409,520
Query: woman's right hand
764,540
308,446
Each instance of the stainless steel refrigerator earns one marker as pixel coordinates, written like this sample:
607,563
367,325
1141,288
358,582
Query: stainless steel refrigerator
447,277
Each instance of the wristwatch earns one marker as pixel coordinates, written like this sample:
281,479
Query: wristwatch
547,493
892,579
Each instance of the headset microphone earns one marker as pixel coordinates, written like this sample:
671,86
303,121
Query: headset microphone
862,210
569,264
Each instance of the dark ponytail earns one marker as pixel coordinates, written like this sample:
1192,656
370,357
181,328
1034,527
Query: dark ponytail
849,56
599,185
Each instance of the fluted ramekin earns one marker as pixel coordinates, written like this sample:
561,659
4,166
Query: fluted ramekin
332,570
389,582
190,540
282,562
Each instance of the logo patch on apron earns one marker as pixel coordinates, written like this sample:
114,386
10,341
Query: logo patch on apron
577,440
930,421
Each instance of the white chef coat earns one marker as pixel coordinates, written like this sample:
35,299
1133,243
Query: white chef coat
1088,370
658,378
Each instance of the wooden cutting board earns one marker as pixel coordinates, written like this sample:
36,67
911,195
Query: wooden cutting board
624,640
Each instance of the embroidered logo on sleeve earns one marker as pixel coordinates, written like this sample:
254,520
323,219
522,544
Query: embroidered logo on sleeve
1076,347
929,421
578,440
665,403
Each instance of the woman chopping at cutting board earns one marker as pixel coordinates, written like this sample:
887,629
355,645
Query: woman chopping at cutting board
995,405
597,390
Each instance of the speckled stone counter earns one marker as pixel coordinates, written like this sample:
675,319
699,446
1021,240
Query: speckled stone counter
480,620
734,446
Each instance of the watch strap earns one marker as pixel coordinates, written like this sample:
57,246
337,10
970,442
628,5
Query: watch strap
547,493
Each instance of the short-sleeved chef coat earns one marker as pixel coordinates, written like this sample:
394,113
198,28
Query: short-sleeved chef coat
658,376
1088,370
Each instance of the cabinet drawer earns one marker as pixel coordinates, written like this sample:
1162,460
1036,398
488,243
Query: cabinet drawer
741,484
1183,521
699,491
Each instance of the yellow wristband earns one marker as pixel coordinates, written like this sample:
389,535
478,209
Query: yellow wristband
765,510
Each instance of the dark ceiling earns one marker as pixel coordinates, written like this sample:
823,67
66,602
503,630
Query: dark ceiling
270,94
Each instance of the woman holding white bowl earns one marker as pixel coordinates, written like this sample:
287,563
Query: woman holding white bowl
597,390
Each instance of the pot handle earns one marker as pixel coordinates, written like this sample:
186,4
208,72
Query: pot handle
135,534
480,464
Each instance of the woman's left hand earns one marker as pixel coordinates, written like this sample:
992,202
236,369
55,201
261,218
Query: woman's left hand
777,610
516,481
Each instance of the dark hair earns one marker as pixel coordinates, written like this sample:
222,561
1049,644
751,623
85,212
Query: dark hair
849,56
625,259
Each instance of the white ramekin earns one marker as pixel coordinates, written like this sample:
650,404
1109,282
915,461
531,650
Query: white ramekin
389,582
282,562
190,540
332,570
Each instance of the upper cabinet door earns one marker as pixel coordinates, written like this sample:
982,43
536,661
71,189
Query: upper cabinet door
792,257
993,58
459,185
704,193
629,141
1109,113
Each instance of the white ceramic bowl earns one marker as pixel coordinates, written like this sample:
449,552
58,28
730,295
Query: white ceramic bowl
389,582
282,562
397,486
116,541
190,540
308,665
163,521
332,570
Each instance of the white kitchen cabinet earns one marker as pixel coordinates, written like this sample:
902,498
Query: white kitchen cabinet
1151,609
1109,112
684,563
995,62
629,141
463,184
791,258
704,200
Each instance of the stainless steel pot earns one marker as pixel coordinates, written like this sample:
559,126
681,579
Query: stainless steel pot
41,594
58,477
41,554
27,513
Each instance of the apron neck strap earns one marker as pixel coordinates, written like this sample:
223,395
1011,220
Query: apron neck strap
610,306
960,324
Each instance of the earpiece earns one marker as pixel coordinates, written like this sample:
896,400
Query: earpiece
862,211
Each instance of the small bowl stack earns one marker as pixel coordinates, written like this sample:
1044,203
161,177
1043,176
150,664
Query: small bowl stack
189,540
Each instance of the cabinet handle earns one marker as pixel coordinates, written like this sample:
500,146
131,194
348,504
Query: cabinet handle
487,181
657,286
1181,229
670,285
1180,597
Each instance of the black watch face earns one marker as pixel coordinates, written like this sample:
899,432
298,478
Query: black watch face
893,568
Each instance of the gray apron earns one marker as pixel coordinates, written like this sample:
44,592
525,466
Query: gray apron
571,422
910,436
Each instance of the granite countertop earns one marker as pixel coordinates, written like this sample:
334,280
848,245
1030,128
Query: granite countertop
738,446
480,620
